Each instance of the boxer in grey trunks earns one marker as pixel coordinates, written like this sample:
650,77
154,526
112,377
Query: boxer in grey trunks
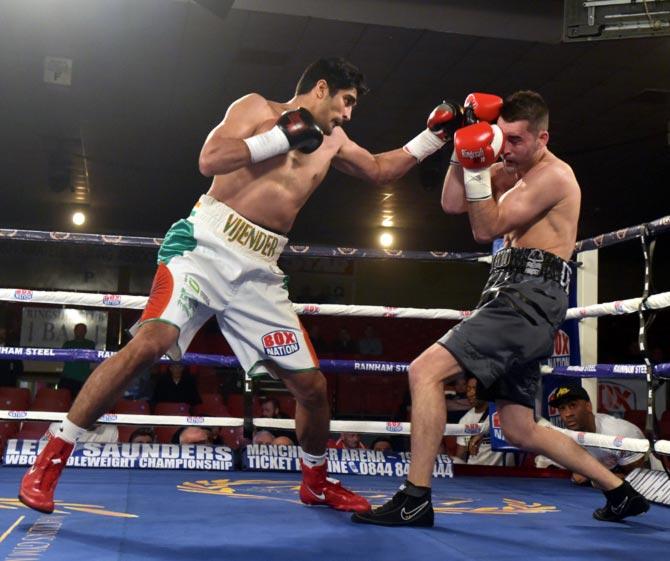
532,200
513,327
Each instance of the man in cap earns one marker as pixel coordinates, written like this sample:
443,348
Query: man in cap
576,411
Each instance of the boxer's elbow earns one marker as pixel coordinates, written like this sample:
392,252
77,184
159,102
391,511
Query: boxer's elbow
482,235
453,207
206,164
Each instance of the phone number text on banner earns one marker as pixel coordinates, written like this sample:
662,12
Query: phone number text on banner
267,457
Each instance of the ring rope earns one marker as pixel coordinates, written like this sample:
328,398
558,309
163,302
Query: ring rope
368,427
365,427
325,365
119,301
597,242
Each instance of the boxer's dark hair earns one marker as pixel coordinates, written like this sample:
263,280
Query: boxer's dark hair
339,73
526,105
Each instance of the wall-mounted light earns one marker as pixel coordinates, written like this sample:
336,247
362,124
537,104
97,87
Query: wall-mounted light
78,218
386,239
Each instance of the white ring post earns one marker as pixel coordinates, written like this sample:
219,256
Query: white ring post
587,294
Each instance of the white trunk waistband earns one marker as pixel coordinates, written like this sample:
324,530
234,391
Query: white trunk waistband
236,230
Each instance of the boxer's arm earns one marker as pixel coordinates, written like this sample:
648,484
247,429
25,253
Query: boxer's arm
383,168
378,169
453,189
520,206
461,452
224,150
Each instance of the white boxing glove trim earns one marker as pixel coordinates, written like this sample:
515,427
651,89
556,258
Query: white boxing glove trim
477,184
267,145
423,145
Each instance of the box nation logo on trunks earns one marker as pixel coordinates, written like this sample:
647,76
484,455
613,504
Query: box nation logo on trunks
280,343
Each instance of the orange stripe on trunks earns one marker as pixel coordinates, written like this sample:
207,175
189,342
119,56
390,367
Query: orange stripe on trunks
161,292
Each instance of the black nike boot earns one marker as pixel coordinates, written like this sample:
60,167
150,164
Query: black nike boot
622,501
410,506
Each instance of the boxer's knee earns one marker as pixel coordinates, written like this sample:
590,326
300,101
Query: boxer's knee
152,341
309,388
435,365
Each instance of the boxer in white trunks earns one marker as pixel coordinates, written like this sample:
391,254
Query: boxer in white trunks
266,158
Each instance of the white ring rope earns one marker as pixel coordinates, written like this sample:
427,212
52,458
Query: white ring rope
118,301
366,427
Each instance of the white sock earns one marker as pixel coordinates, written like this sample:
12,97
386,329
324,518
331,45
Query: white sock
312,461
68,431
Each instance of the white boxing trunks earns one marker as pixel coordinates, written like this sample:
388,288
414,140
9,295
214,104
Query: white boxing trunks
216,262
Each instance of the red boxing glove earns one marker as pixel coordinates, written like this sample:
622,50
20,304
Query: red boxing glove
482,107
445,120
477,147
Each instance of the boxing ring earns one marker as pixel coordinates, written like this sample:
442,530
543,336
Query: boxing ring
134,515
183,514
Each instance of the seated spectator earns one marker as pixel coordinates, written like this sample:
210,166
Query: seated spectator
263,437
370,344
270,409
143,435
382,444
75,373
476,449
349,440
283,441
576,411
457,400
176,386
344,344
193,435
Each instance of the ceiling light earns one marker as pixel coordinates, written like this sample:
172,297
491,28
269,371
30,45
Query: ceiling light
78,218
387,222
386,239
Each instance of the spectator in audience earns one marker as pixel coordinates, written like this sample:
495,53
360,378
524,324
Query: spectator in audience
176,386
193,435
370,344
10,370
344,344
283,441
143,435
75,373
349,440
270,409
263,437
457,399
576,411
382,444
477,449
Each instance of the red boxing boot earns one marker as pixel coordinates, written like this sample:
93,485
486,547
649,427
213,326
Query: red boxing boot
318,489
38,484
